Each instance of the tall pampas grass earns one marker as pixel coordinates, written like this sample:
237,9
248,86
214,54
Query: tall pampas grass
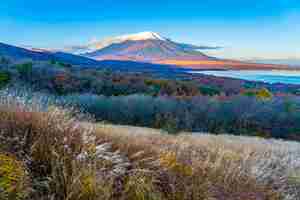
69,157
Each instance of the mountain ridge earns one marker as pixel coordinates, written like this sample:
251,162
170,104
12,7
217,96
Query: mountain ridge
20,53
294,62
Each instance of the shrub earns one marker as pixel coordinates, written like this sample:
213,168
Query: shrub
4,60
166,122
205,90
141,186
53,62
170,161
61,64
56,63
4,78
25,70
264,94
250,93
13,178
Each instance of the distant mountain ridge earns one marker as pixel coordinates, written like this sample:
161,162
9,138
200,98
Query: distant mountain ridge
19,53
295,62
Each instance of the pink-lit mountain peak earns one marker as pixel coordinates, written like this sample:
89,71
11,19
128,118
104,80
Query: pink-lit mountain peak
141,36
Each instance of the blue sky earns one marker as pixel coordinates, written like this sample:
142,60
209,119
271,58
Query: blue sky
246,29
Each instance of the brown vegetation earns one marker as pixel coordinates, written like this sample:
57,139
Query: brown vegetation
75,160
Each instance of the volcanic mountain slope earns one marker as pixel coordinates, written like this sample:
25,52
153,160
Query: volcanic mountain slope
146,46
146,50
153,48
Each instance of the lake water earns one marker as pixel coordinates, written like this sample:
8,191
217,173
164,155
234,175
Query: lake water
270,76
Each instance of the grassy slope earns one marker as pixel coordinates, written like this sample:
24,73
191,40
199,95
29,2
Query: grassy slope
69,159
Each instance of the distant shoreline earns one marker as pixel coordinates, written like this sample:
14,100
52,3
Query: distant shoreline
267,76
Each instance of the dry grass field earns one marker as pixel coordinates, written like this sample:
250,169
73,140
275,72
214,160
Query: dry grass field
48,153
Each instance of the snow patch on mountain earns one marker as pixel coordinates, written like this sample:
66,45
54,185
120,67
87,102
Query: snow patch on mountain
141,36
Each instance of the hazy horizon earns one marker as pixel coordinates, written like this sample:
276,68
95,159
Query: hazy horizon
245,30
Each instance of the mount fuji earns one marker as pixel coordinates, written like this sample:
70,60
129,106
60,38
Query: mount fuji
151,47
144,46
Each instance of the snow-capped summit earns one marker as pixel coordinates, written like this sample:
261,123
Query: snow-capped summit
142,36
